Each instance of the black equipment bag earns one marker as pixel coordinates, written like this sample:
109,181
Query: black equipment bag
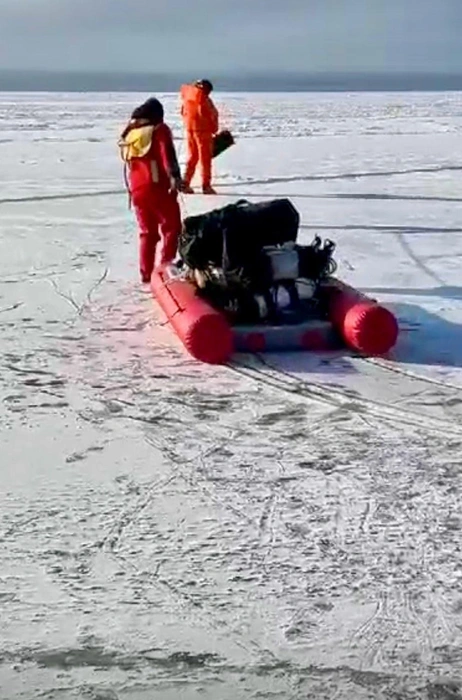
221,142
232,237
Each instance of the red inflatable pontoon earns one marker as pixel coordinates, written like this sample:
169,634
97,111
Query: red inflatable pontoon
361,322
205,332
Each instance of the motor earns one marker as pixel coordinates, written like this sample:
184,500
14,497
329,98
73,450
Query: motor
295,269
289,261
283,261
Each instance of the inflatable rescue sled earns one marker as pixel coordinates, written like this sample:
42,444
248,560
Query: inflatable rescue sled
244,284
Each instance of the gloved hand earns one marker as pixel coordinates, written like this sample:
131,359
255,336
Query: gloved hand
176,185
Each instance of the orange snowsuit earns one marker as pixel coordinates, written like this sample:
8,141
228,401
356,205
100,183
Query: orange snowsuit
200,118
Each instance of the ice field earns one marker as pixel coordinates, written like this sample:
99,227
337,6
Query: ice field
287,527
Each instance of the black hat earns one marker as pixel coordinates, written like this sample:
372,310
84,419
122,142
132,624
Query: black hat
205,85
152,110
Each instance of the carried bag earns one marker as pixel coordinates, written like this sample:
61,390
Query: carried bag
221,142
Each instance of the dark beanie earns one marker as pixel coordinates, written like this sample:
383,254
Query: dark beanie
151,110
205,84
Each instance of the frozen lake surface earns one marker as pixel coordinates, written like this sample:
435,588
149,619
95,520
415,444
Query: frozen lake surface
284,528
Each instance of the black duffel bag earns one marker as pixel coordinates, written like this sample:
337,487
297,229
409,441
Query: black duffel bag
233,236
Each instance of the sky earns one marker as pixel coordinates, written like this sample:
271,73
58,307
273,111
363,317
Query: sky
231,36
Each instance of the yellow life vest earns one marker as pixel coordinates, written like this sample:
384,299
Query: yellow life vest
136,143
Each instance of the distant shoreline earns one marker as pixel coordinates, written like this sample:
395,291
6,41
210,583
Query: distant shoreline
43,81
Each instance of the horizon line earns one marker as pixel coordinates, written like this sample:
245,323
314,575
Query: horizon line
38,80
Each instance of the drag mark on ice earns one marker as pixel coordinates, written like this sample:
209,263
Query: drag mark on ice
283,381
418,261
345,176
12,307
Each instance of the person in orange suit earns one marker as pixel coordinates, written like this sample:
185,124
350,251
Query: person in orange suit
153,179
200,118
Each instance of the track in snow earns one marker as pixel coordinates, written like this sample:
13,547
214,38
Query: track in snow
262,371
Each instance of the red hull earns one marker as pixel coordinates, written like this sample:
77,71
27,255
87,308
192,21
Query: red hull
361,322
364,325
205,332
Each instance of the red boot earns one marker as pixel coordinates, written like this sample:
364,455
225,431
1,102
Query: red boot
208,189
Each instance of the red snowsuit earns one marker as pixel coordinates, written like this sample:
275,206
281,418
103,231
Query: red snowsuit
153,170
200,119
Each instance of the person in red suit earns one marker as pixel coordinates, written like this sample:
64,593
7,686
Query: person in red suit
200,118
153,179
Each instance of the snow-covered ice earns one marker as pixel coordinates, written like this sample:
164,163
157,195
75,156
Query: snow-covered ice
287,527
